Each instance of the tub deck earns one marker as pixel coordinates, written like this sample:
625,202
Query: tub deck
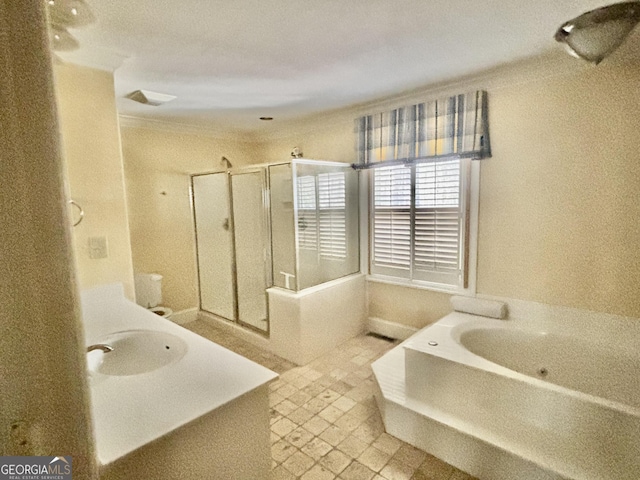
495,423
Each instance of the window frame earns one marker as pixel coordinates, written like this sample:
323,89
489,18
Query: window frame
469,198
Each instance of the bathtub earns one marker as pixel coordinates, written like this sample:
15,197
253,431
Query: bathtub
569,406
505,402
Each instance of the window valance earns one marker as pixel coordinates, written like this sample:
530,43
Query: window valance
451,126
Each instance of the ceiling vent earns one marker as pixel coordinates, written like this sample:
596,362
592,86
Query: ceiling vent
150,98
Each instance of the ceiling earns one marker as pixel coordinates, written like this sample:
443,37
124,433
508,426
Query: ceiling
230,62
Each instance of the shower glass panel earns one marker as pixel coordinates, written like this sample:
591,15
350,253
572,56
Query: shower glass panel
214,244
282,226
326,212
251,247
314,220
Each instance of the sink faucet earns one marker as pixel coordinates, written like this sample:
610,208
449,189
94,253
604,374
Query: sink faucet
100,346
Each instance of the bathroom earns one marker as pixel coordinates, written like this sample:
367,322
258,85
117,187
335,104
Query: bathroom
557,218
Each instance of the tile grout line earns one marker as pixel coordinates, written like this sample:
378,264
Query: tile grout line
324,422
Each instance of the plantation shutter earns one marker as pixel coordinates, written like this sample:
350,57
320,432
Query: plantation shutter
332,215
437,222
416,221
392,221
307,213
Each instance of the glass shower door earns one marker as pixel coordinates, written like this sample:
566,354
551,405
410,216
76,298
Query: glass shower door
214,244
251,244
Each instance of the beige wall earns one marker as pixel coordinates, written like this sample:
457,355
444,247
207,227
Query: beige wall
558,199
409,306
319,140
157,168
44,396
559,203
93,158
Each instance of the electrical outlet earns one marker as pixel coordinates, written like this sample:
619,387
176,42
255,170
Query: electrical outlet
98,247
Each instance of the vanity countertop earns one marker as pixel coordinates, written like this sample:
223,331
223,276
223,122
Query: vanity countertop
131,411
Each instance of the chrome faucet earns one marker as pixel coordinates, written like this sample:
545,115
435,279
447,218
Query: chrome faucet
100,346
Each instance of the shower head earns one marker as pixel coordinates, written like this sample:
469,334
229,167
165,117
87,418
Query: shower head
225,162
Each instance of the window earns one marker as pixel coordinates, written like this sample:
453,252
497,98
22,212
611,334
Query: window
321,214
418,221
331,209
307,215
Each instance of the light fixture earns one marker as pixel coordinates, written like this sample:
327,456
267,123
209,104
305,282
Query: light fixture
70,13
147,97
595,34
266,119
64,14
62,40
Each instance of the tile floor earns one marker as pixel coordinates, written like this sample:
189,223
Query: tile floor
325,424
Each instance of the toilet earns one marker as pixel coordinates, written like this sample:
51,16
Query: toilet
149,293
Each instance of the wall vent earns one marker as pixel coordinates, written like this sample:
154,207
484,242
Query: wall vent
150,98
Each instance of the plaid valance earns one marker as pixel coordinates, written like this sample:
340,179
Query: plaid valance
454,125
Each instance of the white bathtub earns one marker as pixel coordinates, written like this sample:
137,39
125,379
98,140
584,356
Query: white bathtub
556,406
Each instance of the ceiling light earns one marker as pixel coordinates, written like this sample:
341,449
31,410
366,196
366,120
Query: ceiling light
61,40
148,97
595,34
70,13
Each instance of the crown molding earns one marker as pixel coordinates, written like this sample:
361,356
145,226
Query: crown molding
94,57
210,131
532,69
553,63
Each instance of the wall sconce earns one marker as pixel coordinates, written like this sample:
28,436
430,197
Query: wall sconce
595,34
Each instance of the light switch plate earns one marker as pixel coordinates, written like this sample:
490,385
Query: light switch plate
98,247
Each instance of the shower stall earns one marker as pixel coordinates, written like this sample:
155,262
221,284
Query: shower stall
290,225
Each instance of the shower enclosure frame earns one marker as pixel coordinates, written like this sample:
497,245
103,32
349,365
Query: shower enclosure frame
264,170
229,173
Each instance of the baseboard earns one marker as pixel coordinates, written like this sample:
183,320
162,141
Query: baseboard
390,329
184,316
231,327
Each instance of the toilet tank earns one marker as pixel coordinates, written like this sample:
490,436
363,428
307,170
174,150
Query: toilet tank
148,289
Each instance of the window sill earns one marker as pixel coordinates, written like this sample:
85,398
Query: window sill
401,282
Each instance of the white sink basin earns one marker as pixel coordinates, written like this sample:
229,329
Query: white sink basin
136,351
